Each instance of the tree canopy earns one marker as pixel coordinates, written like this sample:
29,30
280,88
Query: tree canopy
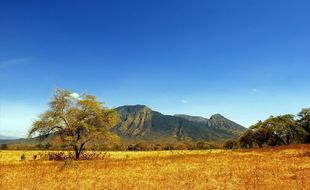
279,130
304,122
76,119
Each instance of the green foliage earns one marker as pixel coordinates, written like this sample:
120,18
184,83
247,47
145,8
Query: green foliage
274,131
231,144
247,139
76,120
304,122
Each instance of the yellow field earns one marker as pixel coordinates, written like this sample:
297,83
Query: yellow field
279,168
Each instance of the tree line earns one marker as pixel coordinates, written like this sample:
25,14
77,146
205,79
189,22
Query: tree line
275,131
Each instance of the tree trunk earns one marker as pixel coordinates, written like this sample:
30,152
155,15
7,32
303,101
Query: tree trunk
78,150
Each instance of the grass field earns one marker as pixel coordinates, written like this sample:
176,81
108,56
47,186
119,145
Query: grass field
277,168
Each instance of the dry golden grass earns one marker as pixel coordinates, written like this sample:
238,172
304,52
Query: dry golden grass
278,168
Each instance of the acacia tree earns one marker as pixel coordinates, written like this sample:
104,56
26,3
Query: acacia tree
285,128
304,122
273,131
261,133
246,140
77,120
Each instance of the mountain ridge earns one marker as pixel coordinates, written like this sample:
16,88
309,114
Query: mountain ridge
4,137
139,122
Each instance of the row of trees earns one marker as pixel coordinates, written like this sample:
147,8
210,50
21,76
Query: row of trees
118,146
186,145
275,131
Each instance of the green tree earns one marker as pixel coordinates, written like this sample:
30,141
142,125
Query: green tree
230,144
261,133
77,120
304,122
246,140
273,131
285,128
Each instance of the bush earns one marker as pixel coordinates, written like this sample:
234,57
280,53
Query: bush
231,144
61,156
23,157
46,146
139,147
4,147
169,147
203,145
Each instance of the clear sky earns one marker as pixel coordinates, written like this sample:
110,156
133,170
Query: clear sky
245,59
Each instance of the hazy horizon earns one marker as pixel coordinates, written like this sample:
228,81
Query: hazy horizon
244,59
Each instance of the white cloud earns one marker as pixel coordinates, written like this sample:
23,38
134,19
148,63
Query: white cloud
184,101
75,95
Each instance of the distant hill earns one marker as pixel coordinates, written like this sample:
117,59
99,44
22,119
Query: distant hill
3,137
141,123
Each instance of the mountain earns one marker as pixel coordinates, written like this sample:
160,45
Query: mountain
2,137
220,122
197,119
216,121
139,122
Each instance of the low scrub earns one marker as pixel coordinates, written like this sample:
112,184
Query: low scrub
61,156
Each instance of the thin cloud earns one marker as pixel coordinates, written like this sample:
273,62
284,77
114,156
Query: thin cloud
12,62
254,90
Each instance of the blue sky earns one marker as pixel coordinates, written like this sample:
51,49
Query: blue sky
245,59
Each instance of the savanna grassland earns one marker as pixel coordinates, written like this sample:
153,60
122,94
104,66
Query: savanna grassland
270,168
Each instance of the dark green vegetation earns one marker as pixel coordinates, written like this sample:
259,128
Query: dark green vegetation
275,131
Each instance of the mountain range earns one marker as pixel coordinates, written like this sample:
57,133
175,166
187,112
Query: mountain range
3,137
139,122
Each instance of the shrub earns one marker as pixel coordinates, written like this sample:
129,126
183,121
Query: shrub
23,157
61,156
4,147
203,145
169,147
231,144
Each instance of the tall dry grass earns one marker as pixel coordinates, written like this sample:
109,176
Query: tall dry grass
279,168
